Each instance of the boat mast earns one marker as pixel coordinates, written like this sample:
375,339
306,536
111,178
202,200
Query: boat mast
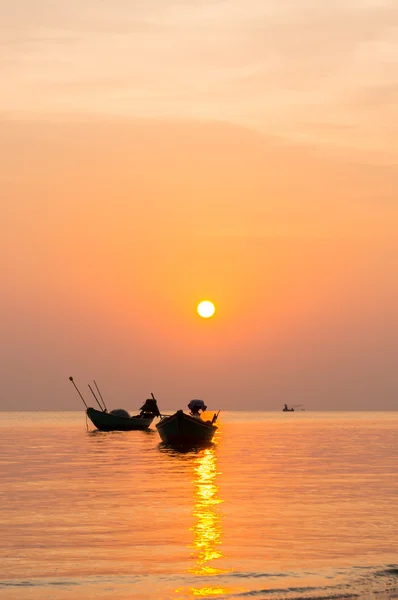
71,379
91,390
100,396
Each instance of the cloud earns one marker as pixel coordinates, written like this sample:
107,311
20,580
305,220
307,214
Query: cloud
272,67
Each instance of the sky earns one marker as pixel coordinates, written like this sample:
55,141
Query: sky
156,154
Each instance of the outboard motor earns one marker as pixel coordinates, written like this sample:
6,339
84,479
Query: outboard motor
195,406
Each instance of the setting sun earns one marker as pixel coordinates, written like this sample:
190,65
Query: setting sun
206,309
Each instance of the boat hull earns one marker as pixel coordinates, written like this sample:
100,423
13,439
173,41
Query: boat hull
183,430
105,421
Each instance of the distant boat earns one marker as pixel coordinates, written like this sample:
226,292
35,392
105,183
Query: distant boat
181,429
292,407
119,419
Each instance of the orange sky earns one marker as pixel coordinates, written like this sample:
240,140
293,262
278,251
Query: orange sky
156,155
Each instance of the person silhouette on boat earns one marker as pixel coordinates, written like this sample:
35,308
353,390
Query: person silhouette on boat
287,409
149,408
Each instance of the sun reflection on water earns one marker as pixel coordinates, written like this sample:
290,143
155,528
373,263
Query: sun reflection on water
207,530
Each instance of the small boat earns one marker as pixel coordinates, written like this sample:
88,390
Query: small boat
181,429
119,419
292,407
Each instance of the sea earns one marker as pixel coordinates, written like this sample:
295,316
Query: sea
286,506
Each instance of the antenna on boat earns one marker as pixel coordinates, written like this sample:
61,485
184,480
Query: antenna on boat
100,395
71,379
91,390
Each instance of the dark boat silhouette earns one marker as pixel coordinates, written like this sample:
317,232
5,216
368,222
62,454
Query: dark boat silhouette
119,419
292,407
181,429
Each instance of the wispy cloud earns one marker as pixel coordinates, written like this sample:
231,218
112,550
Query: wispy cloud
269,66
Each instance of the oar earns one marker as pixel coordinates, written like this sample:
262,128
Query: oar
100,396
91,390
71,379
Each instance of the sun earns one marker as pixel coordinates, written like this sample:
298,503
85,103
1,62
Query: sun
206,309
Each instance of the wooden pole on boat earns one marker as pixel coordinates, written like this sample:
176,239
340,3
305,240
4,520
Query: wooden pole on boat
100,395
91,390
215,417
71,379
160,415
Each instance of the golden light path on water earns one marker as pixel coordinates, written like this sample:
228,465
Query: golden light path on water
207,530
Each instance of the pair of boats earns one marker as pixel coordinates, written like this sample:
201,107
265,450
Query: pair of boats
178,429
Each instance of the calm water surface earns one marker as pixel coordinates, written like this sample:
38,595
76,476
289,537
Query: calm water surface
282,506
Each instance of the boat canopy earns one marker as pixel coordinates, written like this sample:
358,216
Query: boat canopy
196,405
120,412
